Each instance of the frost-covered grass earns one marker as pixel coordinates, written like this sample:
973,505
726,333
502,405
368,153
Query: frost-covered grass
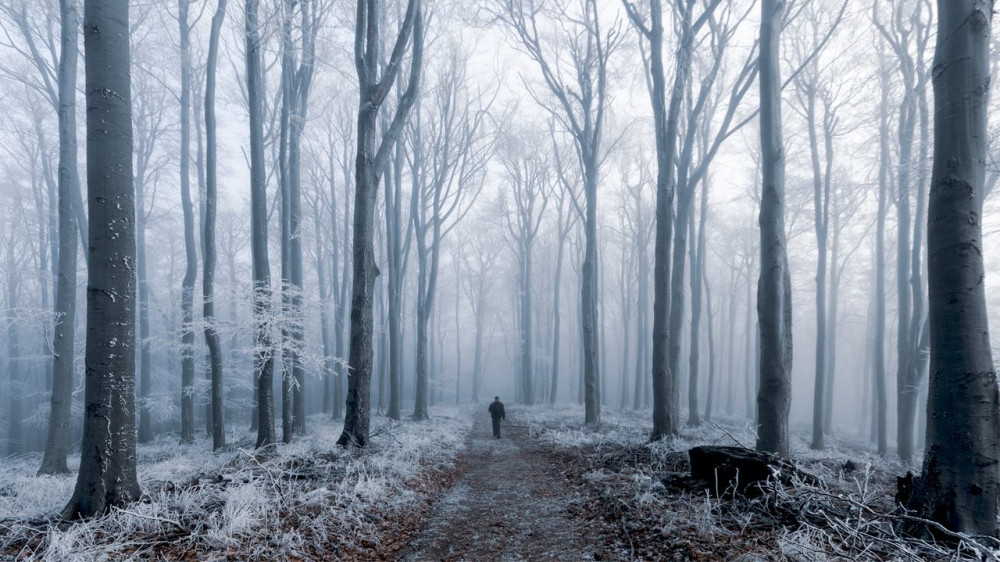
850,514
307,500
562,425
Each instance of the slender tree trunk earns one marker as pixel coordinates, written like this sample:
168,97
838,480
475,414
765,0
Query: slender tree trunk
959,481
748,338
370,156
393,212
190,251
557,312
588,297
881,399
263,355
821,205
665,391
145,432
107,476
831,324
18,391
774,292
324,310
527,377
642,318
695,255
288,354
60,429
211,202
711,343
477,365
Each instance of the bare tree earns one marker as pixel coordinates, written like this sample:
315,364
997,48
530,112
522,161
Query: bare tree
39,50
816,103
526,172
370,162
908,34
107,476
263,360
448,153
479,262
666,115
297,70
57,443
580,95
959,481
149,123
190,248
774,290
211,202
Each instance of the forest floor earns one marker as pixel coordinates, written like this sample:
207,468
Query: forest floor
511,499
444,489
553,489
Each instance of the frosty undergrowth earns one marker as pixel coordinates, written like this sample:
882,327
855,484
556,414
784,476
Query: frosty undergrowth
850,515
309,494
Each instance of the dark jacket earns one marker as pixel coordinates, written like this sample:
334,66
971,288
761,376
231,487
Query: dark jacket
496,410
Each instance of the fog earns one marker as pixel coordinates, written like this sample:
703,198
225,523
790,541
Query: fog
511,202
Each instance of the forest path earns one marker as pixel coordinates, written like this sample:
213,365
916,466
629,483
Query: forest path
509,501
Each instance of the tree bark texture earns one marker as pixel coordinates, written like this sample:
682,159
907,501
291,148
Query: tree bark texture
774,292
59,430
107,476
368,163
959,481
263,355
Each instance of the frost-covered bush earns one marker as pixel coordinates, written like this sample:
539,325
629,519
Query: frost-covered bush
306,497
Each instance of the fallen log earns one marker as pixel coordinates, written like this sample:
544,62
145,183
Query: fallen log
730,470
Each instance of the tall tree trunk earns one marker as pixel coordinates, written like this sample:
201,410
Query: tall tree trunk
697,258
145,432
881,399
263,355
959,482
711,342
211,202
836,270
748,338
477,364
370,159
18,391
190,251
324,310
60,430
556,310
694,257
393,216
589,292
527,340
774,291
665,391
107,476
301,81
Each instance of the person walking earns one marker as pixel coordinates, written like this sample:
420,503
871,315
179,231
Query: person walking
497,413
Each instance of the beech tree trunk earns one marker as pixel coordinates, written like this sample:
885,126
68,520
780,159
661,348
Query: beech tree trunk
665,119
190,248
211,202
263,356
878,357
959,481
107,476
371,157
774,291
60,429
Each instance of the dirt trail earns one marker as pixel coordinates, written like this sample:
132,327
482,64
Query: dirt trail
510,501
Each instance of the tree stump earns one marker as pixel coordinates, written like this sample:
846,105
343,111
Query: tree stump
728,470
